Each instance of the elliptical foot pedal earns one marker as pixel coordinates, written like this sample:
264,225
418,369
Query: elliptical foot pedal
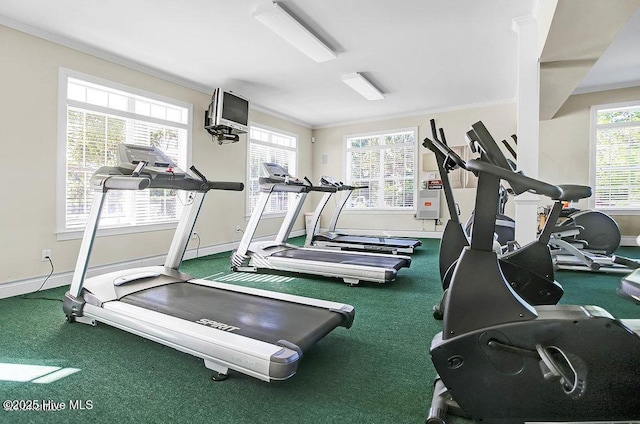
628,262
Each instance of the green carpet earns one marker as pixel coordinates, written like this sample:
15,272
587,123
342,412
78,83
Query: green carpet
378,371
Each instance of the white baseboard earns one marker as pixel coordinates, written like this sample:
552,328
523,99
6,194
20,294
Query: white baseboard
16,288
30,285
629,241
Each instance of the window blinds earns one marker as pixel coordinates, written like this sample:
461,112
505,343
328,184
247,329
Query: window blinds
617,170
98,119
385,163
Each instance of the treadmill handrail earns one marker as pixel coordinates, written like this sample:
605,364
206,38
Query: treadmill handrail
282,188
114,182
352,187
225,185
119,178
326,181
323,189
295,188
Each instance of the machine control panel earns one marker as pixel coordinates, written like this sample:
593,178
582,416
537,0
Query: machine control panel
148,158
277,174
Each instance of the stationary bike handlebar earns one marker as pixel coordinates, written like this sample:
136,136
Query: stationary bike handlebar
480,136
516,179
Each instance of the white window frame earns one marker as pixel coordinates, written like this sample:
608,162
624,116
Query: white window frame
250,141
593,148
382,133
64,74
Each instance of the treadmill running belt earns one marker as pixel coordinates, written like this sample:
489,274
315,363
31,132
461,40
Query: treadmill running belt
385,262
260,318
370,240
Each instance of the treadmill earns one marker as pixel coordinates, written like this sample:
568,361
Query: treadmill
278,255
630,286
256,332
333,239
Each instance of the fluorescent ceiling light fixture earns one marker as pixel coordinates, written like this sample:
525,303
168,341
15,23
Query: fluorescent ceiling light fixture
362,86
286,26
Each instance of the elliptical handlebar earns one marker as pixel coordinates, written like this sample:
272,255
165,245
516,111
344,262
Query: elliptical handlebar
451,159
480,138
509,148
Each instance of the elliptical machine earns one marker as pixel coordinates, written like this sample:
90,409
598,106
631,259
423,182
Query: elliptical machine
586,240
528,269
501,360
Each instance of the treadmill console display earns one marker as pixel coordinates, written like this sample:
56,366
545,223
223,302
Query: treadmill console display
277,174
329,181
131,155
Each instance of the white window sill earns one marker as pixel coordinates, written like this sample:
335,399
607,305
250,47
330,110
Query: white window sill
77,234
620,212
379,211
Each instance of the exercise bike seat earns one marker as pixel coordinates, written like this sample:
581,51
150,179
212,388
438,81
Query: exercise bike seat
574,192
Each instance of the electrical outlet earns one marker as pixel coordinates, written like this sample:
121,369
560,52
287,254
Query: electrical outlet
238,229
46,253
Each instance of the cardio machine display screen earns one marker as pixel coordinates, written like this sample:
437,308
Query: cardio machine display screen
130,155
134,154
273,169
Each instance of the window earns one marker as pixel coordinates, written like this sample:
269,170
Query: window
267,145
95,116
385,163
615,170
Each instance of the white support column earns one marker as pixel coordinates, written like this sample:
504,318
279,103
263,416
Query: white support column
528,117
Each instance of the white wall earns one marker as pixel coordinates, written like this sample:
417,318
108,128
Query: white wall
28,81
564,145
28,115
499,119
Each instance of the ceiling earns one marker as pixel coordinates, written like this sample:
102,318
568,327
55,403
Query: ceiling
619,65
590,46
424,55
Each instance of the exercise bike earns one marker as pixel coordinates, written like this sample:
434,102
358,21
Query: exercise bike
528,269
502,360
